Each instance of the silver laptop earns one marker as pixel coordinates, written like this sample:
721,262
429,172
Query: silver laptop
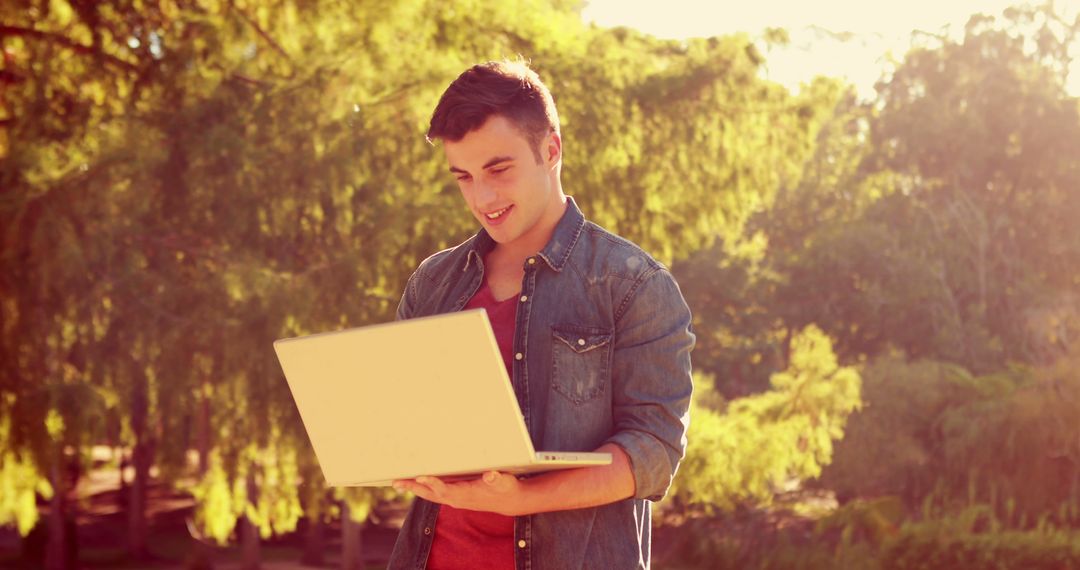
426,396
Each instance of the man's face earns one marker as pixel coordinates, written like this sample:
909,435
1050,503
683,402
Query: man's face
516,199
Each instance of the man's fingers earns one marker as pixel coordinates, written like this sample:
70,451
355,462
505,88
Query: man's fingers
419,489
491,477
438,488
413,486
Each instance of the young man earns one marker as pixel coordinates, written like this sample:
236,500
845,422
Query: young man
594,332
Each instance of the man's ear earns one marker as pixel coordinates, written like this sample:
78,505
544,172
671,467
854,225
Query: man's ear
553,149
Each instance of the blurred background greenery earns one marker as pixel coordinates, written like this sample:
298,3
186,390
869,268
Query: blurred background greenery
886,290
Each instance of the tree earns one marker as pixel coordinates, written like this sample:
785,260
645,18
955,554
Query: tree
957,224
744,453
736,286
191,181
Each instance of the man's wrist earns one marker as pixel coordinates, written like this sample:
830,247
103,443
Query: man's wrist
525,498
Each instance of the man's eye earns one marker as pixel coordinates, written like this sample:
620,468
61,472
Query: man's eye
500,170
464,178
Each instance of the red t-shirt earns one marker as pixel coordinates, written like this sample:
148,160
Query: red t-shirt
472,539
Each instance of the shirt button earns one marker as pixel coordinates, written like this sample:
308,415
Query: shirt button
532,261
519,356
524,298
427,530
521,543
581,342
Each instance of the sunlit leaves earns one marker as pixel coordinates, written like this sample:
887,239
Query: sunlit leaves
54,424
361,500
20,481
215,513
938,220
271,503
757,444
624,109
185,183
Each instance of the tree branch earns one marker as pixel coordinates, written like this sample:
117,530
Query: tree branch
64,41
263,34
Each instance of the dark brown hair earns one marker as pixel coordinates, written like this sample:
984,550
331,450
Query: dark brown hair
505,88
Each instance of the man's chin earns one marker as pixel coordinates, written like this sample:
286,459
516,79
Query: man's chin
499,237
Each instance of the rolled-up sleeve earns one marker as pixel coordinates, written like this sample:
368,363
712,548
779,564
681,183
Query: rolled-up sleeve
651,381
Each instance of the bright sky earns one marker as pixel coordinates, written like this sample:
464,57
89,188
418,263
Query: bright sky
878,27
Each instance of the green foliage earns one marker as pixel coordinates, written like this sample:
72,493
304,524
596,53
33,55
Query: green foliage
968,540
871,520
760,443
189,182
734,544
674,143
361,500
185,182
744,310
946,544
217,512
932,432
193,181
264,488
939,219
740,340
1019,450
20,482
277,508
890,444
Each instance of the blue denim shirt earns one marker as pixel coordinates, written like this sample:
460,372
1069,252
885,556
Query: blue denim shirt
628,383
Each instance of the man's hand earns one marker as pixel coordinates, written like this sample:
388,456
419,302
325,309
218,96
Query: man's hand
494,492
505,494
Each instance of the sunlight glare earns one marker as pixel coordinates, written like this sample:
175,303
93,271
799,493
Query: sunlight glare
842,38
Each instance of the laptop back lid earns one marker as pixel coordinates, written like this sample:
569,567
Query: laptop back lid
425,396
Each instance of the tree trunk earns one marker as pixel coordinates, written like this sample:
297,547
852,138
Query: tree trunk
202,438
141,460
123,495
204,551
249,545
249,533
55,548
352,557
314,542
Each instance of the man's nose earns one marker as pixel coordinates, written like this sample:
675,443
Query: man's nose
484,193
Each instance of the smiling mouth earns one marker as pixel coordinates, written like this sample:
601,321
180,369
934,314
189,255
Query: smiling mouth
498,213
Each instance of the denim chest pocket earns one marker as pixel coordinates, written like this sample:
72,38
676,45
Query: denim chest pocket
580,361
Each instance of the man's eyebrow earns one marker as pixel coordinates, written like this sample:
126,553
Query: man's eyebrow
488,164
497,160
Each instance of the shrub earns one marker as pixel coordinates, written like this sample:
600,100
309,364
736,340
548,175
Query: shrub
757,444
931,546
751,540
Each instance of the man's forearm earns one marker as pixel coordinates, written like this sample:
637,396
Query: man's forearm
553,491
579,488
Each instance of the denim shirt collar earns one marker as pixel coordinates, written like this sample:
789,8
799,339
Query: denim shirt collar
557,250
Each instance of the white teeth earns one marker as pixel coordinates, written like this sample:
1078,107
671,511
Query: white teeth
495,215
